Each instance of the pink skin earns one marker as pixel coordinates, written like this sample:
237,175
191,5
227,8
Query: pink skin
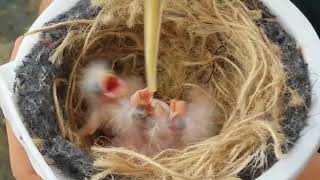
143,98
166,123
132,138
178,109
113,89
98,119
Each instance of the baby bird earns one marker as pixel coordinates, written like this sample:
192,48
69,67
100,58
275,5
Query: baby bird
128,124
105,94
162,128
101,90
177,125
167,125
201,119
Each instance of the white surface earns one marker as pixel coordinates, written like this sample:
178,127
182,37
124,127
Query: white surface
285,169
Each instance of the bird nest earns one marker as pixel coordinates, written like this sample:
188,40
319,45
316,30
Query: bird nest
234,52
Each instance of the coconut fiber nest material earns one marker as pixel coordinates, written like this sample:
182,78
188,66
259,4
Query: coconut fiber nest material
35,78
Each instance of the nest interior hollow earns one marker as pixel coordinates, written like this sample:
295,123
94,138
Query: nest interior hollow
238,56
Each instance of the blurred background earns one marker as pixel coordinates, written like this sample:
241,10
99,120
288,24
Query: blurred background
311,9
15,18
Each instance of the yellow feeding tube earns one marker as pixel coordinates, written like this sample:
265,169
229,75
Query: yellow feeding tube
152,23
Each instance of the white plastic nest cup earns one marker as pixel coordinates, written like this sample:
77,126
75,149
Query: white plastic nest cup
287,168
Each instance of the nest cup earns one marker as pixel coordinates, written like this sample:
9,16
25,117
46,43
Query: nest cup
284,10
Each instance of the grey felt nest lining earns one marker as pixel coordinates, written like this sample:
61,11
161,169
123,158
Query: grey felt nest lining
34,79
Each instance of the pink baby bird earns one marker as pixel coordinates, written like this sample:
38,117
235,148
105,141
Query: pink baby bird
104,93
101,90
200,119
162,128
177,125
